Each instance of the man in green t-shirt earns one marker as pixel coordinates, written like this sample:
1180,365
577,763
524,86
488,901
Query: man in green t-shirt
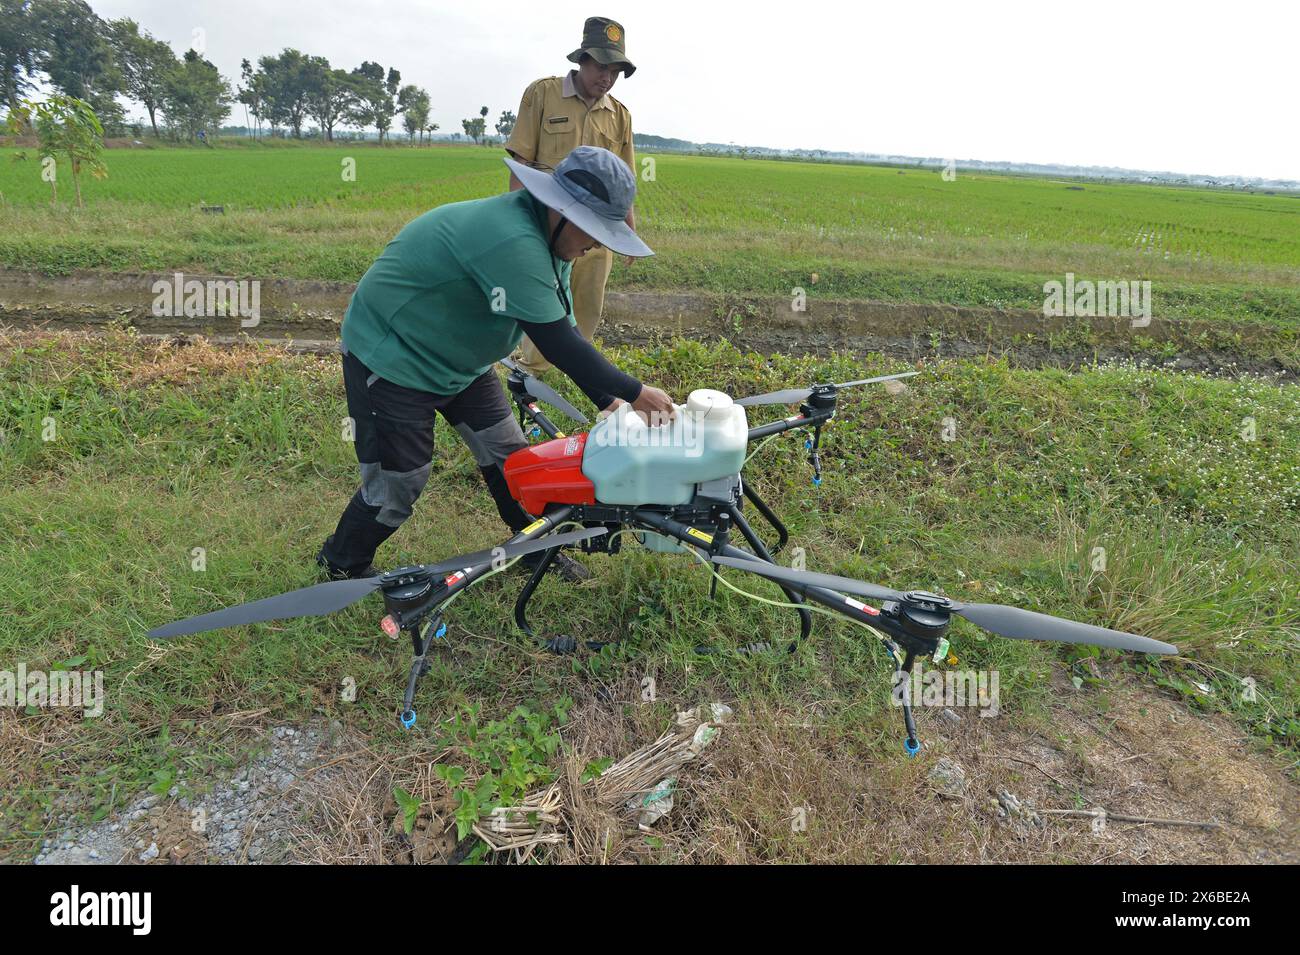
449,296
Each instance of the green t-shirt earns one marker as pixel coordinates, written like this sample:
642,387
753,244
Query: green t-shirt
439,305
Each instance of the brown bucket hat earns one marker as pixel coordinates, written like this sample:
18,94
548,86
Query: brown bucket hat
603,40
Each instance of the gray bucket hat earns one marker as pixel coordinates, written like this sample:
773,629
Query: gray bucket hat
593,189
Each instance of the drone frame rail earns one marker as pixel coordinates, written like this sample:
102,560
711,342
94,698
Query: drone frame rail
722,515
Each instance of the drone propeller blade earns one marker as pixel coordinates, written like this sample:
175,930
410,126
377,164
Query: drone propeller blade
829,581
872,381
544,392
1011,622
1017,624
321,599
787,397
313,601
791,395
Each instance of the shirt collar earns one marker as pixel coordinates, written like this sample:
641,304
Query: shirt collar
567,88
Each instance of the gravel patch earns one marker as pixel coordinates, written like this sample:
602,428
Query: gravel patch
246,816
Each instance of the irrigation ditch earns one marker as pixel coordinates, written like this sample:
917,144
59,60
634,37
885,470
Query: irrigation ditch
308,315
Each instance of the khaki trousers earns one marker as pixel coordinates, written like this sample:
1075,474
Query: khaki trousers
587,288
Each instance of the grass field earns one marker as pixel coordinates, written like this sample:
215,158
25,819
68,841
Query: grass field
717,224
120,456
159,449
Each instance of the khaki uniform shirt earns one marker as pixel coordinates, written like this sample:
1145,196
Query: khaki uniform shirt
553,120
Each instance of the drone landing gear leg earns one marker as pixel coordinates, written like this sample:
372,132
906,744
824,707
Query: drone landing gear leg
521,604
421,640
769,515
912,744
560,644
805,618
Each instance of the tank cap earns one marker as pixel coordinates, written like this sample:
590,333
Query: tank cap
702,401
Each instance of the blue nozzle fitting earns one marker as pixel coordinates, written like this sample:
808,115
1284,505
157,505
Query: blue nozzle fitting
440,632
407,718
817,482
913,746
536,432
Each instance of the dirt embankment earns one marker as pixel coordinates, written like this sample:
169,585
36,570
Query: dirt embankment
310,313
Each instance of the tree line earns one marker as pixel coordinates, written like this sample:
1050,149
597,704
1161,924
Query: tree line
64,44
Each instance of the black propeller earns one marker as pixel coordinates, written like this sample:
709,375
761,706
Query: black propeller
326,598
791,395
1005,621
544,392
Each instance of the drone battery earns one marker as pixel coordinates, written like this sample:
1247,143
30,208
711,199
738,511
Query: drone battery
725,490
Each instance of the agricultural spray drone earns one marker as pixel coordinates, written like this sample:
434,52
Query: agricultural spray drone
675,488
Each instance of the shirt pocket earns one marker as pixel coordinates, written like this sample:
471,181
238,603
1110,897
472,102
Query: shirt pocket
604,132
558,139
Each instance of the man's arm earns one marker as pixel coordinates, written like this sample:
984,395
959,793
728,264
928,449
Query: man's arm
628,155
523,143
561,345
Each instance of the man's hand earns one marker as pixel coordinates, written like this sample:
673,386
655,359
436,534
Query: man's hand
654,406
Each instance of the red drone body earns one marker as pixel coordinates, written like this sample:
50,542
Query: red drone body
549,473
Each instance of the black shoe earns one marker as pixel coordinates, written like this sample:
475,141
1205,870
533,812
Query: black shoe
335,572
564,566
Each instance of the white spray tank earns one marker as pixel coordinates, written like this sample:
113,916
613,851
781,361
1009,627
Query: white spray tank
630,462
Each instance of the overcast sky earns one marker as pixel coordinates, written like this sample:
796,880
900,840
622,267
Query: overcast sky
1182,86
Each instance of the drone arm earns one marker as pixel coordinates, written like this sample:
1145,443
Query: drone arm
538,417
862,613
801,420
829,598
459,580
847,606
521,386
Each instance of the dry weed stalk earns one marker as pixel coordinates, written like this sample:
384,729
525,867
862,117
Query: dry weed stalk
589,810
